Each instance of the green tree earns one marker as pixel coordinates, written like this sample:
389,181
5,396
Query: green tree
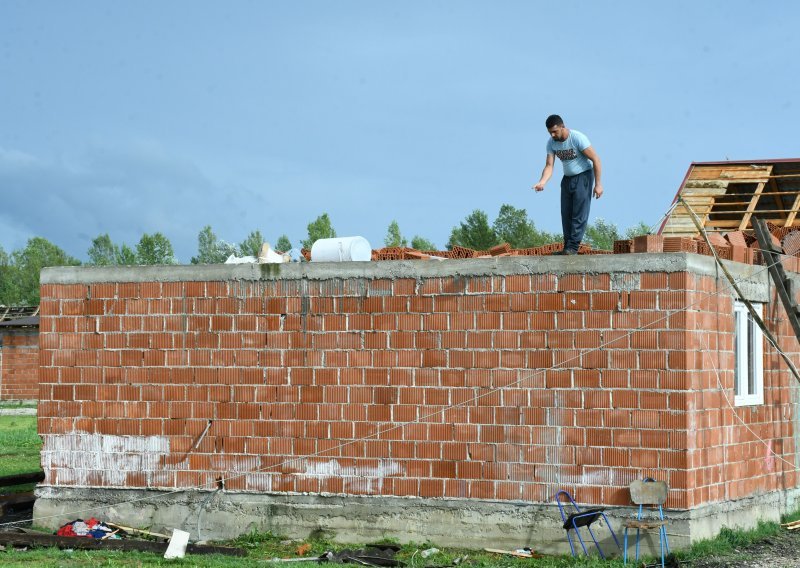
641,228
393,236
513,226
474,232
154,249
283,244
27,265
211,250
319,228
601,234
6,278
251,246
127,256
421,243
103,251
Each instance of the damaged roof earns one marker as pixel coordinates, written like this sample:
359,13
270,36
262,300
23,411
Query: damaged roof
8,313
726,195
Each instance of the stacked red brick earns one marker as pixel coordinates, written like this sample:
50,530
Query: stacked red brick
738,246
516,386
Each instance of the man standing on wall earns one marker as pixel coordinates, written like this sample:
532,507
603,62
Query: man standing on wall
582,169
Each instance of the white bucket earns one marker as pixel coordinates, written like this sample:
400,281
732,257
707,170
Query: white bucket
341,249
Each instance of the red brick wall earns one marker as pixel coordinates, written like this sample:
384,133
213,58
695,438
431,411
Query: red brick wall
19,365
739,451
517,386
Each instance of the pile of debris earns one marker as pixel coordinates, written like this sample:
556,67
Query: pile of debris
458,252
739,246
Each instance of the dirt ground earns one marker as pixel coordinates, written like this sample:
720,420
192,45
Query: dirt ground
779,551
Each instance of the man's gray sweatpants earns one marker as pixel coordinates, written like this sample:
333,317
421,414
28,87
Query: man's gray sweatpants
576,198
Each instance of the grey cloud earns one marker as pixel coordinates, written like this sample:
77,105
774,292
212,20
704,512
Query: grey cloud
125,191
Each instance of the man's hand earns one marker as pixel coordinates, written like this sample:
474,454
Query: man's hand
598,190
539,186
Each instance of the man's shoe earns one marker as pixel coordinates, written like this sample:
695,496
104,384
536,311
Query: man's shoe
569,252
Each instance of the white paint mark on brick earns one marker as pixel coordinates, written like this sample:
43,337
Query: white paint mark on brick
258,481
332,468
238,464
769,459
84,459
357,480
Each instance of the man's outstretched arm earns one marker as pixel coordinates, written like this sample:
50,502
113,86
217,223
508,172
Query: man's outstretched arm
547,173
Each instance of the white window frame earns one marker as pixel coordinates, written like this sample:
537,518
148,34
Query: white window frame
748,352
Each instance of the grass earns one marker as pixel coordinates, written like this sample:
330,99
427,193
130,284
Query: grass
262,547
19,445
729,543
19,449
14,404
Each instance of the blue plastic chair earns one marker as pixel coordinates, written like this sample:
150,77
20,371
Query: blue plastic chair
582,518
651,493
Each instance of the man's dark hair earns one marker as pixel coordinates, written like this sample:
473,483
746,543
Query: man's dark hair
553,120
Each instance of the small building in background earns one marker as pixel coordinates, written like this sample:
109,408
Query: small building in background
19,353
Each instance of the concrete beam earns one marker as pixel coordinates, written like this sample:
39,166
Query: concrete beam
497,266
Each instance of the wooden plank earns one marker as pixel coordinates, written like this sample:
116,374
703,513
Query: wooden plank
702,205
21,478
695,192
774,191
724,224
139,531
785,176
735,223
680,228
83,543
793,213
712,184
752,206
681,222
728,172
648,492
16,500
525,554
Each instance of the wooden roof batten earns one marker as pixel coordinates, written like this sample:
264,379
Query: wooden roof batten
8,313
727,195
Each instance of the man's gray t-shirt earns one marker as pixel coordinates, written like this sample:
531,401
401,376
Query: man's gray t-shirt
570,151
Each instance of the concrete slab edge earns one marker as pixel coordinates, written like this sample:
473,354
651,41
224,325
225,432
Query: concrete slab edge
500,266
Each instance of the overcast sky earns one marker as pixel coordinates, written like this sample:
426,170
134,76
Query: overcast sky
128,117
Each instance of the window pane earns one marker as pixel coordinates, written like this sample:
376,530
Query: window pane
737,373
751,354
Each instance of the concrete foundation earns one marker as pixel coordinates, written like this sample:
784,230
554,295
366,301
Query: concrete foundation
347,519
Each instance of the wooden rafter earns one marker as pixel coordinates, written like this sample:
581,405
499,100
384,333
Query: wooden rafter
793,214
726,196
773,185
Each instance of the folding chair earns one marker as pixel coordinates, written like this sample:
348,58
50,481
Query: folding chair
651,493
582,518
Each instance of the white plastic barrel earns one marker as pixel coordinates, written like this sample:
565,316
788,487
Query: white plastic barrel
341,249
